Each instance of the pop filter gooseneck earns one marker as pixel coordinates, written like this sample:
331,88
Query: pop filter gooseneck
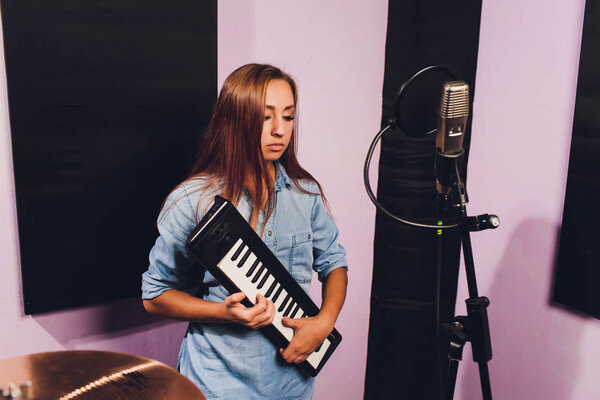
397,123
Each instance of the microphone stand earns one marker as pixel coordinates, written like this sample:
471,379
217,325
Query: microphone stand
474,327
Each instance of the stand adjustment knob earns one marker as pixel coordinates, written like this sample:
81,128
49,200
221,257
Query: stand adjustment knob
494,221
13,391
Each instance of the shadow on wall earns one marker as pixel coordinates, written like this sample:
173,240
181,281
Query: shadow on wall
121,326
535,347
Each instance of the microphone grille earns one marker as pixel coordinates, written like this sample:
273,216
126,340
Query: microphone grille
455,100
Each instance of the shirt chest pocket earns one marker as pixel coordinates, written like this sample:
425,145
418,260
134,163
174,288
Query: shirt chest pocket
301,257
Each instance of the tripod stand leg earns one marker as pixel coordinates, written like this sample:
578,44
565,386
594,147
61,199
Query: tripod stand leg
454,357
479,331
456,333
451,382
484,376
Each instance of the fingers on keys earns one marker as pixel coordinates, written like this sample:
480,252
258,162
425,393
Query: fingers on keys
266,313
234,299
292,353
254,317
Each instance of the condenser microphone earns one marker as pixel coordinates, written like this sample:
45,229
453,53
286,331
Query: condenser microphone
454,111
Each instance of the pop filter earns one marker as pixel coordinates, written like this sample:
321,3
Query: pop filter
418,101
419,110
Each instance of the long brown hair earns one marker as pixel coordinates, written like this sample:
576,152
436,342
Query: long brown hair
230,150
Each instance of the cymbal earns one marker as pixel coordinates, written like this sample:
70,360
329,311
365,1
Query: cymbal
95,375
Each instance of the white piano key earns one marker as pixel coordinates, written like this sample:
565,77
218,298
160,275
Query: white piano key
286,331
297,311
267,285
280,299
244,268
289,308
239,248
245,254
260,271
284,304
250,269
276,292
263,280
316,356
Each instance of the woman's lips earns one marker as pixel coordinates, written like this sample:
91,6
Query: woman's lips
275,147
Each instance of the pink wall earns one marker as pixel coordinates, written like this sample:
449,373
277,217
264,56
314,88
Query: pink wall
340,106
525,95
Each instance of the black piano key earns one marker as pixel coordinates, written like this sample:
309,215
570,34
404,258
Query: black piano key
244,258
257,275
238,251
282,306
263,280
277,293
289,309
270,290
252,268
303,315
293,314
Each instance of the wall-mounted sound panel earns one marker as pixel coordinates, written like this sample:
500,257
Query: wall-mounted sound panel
107,100
577,275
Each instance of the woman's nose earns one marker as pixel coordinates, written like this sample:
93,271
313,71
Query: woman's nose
277,127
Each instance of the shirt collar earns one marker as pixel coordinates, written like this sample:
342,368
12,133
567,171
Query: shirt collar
281,177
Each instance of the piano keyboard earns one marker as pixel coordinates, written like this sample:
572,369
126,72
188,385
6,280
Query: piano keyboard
252,277
228,247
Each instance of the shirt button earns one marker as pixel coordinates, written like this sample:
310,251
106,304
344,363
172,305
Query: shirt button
309,236
270,233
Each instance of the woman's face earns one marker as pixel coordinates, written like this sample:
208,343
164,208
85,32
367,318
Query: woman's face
279,119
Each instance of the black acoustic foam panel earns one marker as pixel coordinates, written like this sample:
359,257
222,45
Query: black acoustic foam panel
402,359
577,275
107,99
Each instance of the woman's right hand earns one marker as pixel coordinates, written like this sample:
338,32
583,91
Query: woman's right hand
257,316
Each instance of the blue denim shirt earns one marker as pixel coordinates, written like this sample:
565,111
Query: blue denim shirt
229,361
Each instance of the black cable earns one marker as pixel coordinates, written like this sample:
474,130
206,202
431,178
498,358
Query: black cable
402,91
374,199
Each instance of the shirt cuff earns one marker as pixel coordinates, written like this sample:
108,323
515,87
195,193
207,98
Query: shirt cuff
341,263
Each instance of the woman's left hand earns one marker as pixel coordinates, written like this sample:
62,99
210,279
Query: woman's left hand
309,333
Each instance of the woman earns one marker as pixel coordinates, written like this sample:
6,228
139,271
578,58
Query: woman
248,156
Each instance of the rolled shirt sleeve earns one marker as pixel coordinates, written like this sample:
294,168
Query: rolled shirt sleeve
169,259
328,253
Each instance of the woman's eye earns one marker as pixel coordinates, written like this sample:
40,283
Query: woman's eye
267,117
289,118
